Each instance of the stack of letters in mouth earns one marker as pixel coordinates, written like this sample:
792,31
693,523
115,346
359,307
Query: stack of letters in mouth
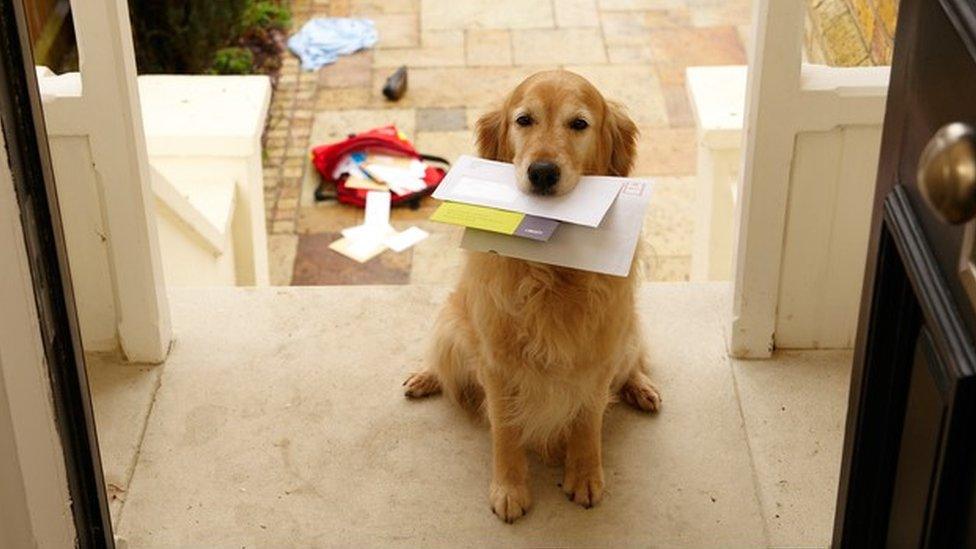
595,227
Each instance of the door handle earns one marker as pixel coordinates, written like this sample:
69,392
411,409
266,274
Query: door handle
947,173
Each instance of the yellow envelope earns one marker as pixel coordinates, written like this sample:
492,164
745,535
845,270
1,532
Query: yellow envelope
478,217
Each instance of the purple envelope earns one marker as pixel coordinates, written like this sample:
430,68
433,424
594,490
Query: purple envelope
536,228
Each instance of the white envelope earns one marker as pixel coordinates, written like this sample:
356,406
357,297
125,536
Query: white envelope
492,184
607,249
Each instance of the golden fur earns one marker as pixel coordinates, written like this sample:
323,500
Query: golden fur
543,349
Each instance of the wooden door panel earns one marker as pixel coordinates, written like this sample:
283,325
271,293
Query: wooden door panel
919,451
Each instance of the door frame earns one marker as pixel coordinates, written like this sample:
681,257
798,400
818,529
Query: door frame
30,167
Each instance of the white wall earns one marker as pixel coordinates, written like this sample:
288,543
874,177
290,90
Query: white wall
34,500
826,239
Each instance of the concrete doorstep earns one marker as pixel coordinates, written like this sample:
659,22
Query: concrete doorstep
279,421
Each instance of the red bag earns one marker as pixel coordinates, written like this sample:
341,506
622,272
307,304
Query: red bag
387,140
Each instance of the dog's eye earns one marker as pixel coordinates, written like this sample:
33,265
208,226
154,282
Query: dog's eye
579,124
524,120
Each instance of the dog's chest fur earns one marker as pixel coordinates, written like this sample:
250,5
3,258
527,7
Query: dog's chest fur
557,337
550,321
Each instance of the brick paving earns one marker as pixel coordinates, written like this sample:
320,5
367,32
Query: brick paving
463,56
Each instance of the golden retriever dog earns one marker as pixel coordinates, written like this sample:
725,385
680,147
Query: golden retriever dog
543,350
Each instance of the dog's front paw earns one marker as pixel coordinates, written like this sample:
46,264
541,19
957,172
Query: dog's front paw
509,501
583,487
640,393
421,384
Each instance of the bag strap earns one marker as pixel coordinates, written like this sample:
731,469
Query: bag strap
432,158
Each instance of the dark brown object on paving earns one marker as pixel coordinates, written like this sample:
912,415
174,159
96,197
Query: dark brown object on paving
396,84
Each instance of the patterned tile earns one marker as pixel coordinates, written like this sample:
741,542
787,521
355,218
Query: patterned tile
344,98
635,86
733,12
669,222
463,58
888,12
671,268
639,5
438,259
678,106
486,14
317,265
488,47
436,49
558,46
576,13
629,55
455,86
624,28
281,258
666,151
397,30
376,7
327,217
447,145
439,120
334,126
697,46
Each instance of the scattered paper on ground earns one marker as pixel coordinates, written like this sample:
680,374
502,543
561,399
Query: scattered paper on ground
361,250
399,242
364,242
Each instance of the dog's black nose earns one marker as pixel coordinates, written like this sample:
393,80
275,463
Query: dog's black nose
543,175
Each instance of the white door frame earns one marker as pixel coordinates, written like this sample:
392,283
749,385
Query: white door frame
33,481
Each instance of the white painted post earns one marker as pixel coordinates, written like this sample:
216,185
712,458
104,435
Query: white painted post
787,100
118,149
763,189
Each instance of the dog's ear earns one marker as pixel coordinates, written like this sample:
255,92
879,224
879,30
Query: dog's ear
620,135
492,130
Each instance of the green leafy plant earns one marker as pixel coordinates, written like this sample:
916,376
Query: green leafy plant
233,61
182,36
208,36
263,14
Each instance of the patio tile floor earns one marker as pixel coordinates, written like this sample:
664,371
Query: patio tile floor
463,57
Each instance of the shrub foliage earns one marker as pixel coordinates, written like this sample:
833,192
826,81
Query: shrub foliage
205,36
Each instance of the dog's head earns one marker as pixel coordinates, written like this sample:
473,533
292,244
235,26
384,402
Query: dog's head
555,127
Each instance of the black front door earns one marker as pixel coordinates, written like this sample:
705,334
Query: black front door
910,449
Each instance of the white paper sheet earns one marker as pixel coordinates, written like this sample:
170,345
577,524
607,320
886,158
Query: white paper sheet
492,184
399,242
376,232
607,249
401,181
377,209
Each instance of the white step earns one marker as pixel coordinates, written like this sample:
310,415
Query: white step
202,130
194,222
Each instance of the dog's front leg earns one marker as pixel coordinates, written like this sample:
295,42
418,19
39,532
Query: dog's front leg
509,492
583,476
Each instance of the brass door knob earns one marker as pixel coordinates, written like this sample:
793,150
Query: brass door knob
947,173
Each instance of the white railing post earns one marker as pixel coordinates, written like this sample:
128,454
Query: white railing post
760,218
118,151
798,225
